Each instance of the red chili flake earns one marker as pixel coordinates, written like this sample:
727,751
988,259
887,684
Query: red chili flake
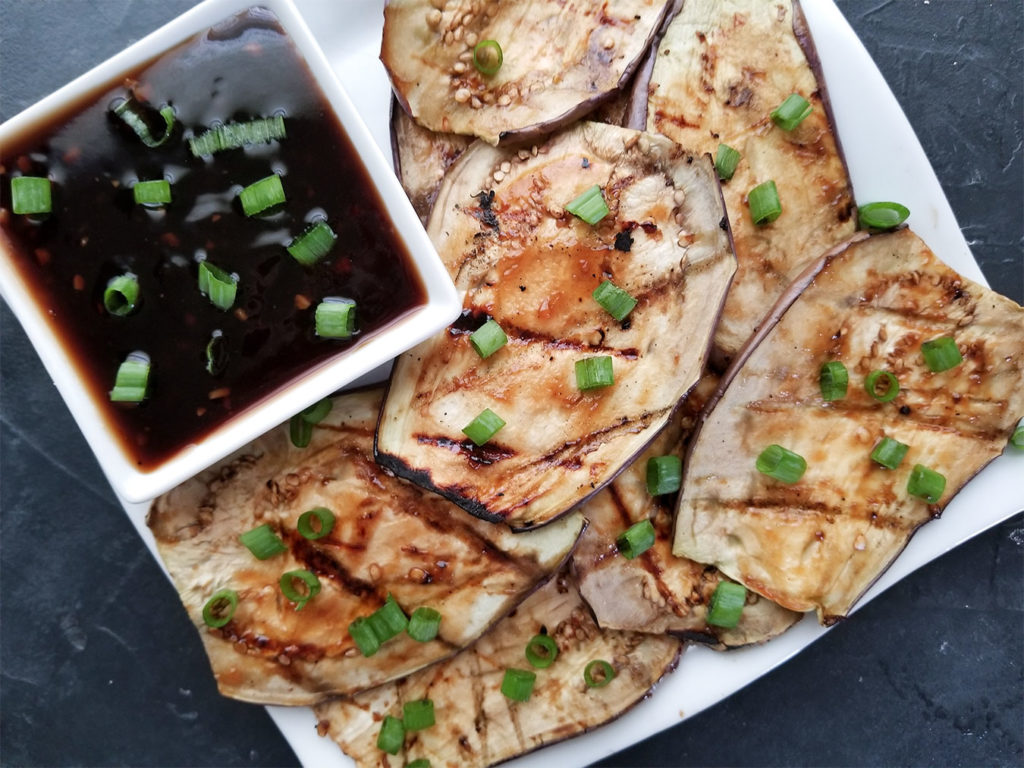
43,256
79,283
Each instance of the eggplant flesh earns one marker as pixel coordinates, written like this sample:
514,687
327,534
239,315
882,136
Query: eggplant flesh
475,724
819,543
389,537
657,591
721,69
559,61
517,256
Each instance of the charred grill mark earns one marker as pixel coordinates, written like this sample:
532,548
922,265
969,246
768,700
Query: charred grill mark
322,564
485,212
477,455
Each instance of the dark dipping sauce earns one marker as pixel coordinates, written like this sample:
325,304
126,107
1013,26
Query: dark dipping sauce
242,69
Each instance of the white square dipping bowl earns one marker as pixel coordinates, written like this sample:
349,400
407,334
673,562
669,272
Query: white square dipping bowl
441,305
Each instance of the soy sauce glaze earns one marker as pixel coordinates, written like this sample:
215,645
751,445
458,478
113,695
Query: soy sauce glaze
243,69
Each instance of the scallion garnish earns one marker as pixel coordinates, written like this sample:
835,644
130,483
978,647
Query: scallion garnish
121,296
325,523
391,736
263,542
335,318
152,193
365,638
216,353
487,57
299,586
926,483
636,539
941,354
541,651
834,380
726,604
781,464
589,206
764,203
517,684
889,453
1017,438
417,715
791,112
594,373
885,215
132,379
483,427
616,302
220,608
420,762
892,386
598,673
313,244
234,135
318,411
218,285
488,338
31,195
130,112
261,195
726,160
389,620
424,624
664,474
300,431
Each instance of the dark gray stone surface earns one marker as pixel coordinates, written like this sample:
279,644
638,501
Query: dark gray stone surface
99,666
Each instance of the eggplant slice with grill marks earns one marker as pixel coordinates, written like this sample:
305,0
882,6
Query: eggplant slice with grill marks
475,724
721,69
517,256
820,542
657,591
389,537
559,61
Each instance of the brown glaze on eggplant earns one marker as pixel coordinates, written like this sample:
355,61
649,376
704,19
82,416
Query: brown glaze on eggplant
822,541
475,724
517,256
389,537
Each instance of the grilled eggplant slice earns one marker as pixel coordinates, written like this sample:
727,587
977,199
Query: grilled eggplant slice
559,61
721,68
388,538
820,542
517,256
658,592
475,724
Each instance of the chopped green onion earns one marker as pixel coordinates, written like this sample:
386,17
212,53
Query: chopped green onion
636,539
326,523
365,638
598,673
417,715
234,135
220,608
216,353
317,412
664,474
615,301
263,542
389,620
764,203
121,296
218,285
517,684
889,453
726,605
941,354
781,463
488,338
926,483
132,379
261,195
594,373
726,161
541,651
31,195
130,111
421,762
790,113
834,380
336,318
487,57
882,215
391,736
300,431
892,386
313,244
483,427
424,624
589,206
1017,438
152,193
299,595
